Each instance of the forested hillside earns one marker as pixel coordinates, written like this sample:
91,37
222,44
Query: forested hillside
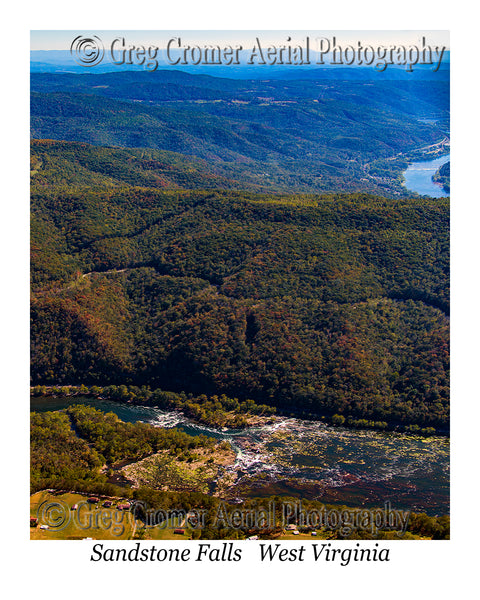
442,176
291,136
147,268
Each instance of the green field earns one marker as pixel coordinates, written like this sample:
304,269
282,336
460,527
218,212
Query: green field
93,521
88,521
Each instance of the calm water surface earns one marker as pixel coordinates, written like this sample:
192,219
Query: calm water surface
418,177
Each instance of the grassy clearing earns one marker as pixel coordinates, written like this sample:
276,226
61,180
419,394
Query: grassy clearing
93,521
88,521
194,472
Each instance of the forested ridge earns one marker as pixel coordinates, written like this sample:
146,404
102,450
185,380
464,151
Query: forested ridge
442,176
148,268
290,136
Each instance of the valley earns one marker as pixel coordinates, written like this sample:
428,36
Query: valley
234,296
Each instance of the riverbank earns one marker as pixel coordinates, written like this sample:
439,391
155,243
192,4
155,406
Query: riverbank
442,177
418,177
307,458
219,412
215,411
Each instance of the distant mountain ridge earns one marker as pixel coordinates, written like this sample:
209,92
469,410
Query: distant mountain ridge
285,135
61,61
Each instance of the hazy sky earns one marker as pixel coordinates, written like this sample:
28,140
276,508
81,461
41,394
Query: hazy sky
61,40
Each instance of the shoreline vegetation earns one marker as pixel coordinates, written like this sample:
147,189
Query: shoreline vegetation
218,411
442,176
76,453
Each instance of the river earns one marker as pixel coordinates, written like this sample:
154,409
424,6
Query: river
418,177
310,459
